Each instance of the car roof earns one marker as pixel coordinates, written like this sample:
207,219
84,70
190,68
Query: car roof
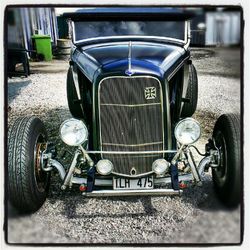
130,13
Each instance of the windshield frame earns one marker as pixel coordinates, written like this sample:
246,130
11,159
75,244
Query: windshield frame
101,39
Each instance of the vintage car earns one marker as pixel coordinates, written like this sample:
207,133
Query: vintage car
132,90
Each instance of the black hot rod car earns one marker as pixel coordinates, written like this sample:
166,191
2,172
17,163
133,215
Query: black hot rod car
132,90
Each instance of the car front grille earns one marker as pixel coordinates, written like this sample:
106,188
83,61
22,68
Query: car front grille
131,119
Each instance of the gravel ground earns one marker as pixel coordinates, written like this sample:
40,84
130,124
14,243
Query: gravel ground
66,217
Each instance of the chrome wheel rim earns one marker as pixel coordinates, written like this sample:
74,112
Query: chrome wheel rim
221,170
41,177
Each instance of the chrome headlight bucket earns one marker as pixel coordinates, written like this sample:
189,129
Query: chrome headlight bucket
187,131
73,132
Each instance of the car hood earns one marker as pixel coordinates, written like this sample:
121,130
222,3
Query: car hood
149,58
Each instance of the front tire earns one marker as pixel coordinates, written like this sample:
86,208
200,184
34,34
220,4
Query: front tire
227,176
27,183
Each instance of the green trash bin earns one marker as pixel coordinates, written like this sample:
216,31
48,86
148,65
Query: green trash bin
43,46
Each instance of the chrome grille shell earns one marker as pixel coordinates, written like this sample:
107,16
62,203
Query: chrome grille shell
130,122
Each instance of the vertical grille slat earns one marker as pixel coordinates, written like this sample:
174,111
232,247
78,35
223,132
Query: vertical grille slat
131,120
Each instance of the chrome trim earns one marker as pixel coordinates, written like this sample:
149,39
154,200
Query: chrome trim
133,176
192,164
129,70
167,180
188,35
152,192
169,125
69,175
186,32
158,38
103,182
133,145
153,43
173,161
129,77
77,180
109,182
90,57
170,58
131,152
130,105
98,182
73,31
88,158
59,167
177,68
133,170
202,165
79,62
145,156
186,177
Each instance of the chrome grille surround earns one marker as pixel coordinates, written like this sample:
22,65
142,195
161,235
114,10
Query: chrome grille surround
119,106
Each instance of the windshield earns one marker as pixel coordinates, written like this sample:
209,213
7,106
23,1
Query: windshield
86,30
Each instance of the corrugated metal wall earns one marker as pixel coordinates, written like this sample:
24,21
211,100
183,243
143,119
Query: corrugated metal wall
223,28
25,22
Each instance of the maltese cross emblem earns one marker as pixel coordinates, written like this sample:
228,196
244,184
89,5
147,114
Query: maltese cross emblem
150,93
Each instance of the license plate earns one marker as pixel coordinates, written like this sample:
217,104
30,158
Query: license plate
140,183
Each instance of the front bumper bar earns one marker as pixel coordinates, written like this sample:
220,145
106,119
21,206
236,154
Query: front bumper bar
151,192
108,182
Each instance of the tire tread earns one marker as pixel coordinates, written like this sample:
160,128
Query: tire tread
192,93
229,193
20,186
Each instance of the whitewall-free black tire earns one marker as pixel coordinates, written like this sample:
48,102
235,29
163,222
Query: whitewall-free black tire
227,176
27,182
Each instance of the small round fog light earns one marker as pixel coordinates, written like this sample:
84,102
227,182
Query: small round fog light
160,166
73,132
104,167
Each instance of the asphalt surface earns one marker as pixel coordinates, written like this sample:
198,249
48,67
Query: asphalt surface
66,217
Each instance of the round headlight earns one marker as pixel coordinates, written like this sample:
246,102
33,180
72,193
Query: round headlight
187,131
160,166
104,167
73,132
